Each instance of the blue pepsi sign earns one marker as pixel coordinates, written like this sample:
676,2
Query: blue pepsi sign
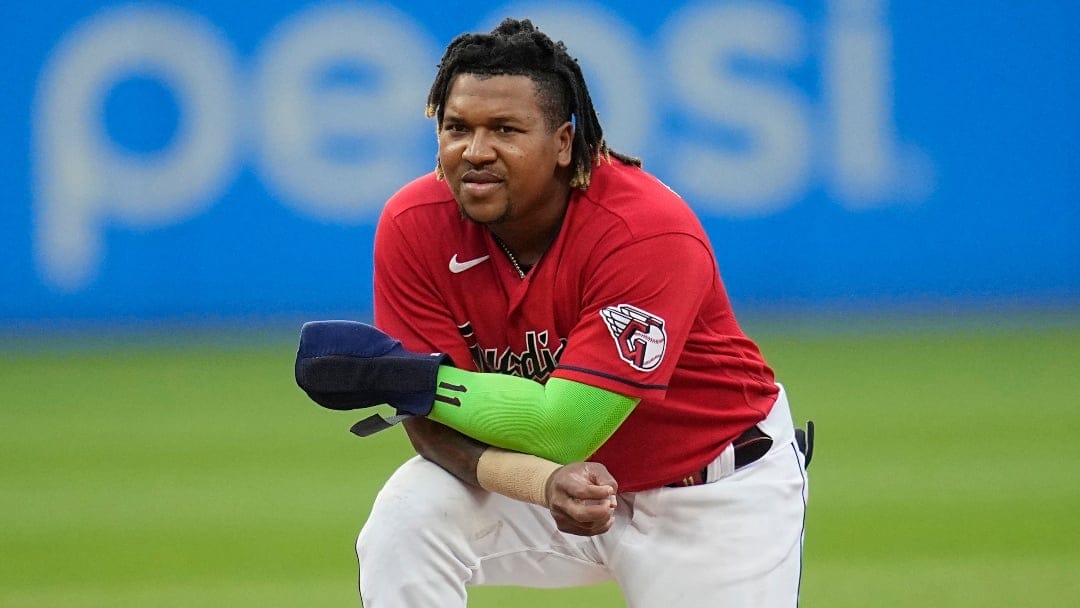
205,160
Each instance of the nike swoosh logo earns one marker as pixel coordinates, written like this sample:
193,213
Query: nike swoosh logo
456,266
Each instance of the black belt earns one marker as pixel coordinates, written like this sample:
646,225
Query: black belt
749,447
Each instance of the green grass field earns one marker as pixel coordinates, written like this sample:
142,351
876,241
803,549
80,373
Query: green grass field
194,473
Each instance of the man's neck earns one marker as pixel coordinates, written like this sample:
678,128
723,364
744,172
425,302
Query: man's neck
528,238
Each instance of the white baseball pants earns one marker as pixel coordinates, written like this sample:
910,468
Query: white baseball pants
735,542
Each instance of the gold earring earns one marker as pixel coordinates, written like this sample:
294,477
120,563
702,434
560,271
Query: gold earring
439,175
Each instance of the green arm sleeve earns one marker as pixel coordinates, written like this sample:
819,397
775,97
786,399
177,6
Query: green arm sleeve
562,421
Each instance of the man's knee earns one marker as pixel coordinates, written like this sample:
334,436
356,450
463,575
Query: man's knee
421,506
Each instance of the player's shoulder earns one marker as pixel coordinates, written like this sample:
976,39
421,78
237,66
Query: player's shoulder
424,192
638,199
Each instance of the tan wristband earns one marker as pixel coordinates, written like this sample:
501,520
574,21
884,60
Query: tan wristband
515,475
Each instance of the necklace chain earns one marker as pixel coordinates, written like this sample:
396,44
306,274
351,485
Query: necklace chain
509,254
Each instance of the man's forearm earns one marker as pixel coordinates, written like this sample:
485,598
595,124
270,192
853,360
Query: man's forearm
519,476
562,421
444,446
580,495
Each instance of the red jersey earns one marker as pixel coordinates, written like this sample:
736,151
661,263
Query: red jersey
627,298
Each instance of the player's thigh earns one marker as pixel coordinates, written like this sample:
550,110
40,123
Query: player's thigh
423,514
736,542
422,505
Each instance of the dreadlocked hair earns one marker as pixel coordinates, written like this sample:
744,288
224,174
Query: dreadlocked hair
518,48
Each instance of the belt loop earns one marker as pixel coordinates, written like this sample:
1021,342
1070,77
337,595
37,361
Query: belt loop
722,466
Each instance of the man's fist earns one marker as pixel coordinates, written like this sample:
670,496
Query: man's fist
581,498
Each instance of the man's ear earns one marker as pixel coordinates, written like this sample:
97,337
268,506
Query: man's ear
565,136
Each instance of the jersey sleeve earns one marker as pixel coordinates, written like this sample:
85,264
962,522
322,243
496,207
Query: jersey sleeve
408,304
640,303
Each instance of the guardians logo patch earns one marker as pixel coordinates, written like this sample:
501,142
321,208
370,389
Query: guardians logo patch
639,335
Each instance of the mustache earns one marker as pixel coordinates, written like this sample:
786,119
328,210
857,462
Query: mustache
478,175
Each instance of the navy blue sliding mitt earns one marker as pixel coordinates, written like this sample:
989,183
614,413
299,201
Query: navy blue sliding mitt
347,365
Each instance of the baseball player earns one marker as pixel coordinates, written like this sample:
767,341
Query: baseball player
554,332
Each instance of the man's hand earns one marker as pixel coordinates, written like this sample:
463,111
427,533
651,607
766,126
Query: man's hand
581,498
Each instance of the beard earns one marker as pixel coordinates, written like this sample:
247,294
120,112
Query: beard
508,212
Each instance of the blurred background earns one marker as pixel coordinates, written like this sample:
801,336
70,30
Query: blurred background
892,189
